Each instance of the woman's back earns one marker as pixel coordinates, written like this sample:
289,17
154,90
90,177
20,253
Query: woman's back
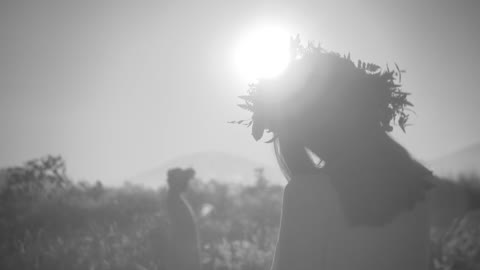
183,237
316,235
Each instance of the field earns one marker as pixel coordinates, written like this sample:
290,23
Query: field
49,222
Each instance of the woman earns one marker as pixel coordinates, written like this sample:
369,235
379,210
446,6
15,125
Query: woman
362,206
184,249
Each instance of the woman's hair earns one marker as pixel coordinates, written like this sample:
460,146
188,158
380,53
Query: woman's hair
375,177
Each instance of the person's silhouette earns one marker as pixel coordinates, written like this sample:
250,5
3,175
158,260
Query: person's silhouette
183,237
356,199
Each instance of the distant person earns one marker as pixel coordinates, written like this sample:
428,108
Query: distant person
355,197
184,252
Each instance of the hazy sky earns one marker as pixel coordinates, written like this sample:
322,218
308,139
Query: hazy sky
119,87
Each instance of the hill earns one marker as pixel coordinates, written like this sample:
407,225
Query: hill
464,161
223,167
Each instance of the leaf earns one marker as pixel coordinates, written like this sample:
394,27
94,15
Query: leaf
247,98
373,68
396,66
402,121
239,122
410,110
247,107
399,73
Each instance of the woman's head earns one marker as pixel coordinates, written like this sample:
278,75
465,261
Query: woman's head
178,179
326,103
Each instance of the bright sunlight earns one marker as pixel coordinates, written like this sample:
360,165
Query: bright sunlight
263,53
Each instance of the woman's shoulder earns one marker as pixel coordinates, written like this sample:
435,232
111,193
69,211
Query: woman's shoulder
304,181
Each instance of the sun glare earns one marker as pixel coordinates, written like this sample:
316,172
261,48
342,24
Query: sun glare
263,53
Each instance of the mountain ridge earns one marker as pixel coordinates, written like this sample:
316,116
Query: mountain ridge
232,168
464,161
221,166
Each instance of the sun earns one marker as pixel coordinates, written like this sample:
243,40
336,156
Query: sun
263,53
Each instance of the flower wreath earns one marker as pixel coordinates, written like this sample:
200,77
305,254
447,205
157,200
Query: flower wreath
312,70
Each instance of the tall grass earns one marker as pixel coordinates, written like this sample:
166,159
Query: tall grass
49,222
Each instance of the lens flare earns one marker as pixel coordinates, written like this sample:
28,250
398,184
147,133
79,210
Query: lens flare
263,53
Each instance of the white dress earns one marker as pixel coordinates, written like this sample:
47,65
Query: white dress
314,234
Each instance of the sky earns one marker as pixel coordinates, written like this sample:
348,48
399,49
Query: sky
119,87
